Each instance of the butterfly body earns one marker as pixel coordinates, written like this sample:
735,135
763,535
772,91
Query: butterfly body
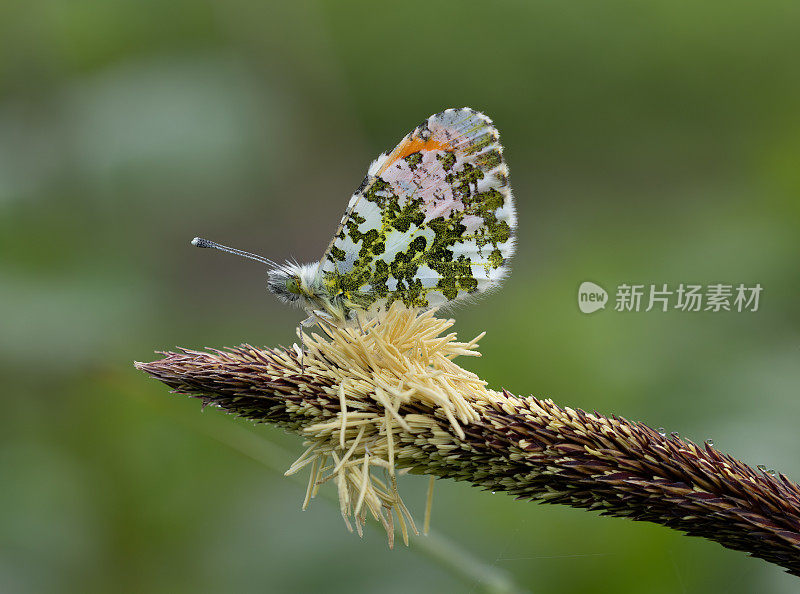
432,223
300,285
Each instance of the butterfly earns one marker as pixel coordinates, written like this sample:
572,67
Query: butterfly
433,223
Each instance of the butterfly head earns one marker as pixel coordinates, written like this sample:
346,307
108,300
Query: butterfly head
293,283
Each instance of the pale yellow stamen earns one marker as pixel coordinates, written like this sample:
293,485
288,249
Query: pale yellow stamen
426,525
401,358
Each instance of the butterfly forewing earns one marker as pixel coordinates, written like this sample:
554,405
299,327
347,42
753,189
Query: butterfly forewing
433,221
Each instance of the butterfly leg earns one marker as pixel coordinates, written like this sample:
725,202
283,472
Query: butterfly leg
356,316
302,349
307,323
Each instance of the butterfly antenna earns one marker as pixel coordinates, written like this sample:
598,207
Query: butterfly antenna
206,243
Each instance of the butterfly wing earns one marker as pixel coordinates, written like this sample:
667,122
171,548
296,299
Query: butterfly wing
432,222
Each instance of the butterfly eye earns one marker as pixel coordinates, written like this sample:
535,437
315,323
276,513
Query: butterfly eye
293,285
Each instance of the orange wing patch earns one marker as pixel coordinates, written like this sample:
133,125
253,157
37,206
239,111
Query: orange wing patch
412,145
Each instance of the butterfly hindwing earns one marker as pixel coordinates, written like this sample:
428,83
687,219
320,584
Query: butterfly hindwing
433,221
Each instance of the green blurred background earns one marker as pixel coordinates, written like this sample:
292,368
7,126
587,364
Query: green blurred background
649,142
